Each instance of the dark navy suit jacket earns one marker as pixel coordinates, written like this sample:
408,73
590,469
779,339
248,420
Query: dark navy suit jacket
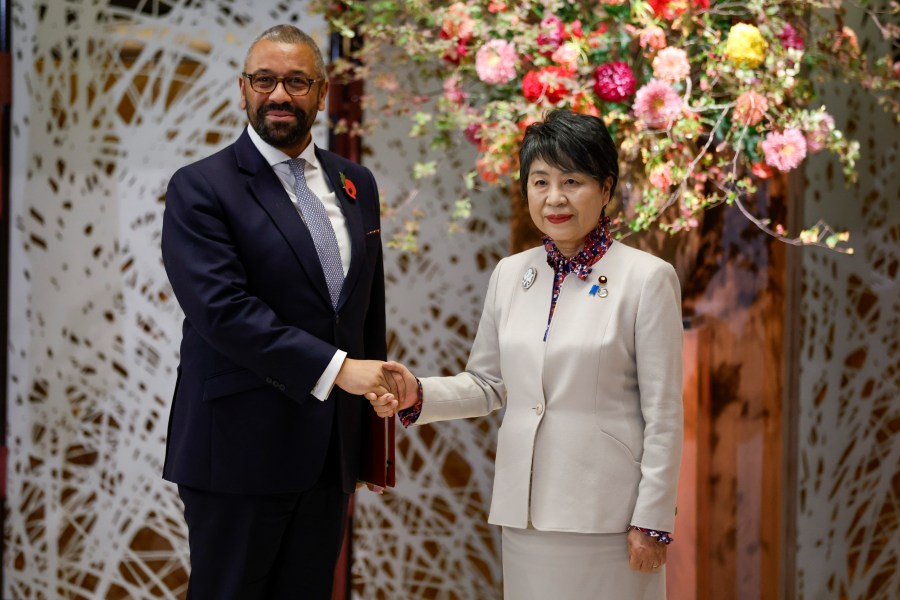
259,326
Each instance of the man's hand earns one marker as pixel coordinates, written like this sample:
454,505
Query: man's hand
364,376
644,553
387,405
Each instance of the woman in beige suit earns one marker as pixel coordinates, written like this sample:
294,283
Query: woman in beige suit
580,341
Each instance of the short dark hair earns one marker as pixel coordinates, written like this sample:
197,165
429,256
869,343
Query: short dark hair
572,142
288,34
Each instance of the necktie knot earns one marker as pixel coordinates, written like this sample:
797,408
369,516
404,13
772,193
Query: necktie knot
298,168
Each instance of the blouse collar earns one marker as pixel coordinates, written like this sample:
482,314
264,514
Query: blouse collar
596,244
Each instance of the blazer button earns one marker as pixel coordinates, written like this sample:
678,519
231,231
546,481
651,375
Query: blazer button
539,409
268,380
281,386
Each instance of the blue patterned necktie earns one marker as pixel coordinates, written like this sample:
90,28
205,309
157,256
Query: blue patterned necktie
320,228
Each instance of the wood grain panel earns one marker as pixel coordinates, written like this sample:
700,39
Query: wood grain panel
687,563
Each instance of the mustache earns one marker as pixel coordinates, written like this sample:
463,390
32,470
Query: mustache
285,107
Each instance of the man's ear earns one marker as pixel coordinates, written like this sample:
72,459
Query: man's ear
323,91
241,83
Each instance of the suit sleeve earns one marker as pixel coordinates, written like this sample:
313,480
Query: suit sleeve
479,390
658,352
211,285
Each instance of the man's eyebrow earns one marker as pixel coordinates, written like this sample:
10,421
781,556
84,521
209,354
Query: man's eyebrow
294,73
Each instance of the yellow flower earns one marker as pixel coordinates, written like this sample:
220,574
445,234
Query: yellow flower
746,46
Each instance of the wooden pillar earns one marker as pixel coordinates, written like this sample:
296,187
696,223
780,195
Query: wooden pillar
687,561
523,234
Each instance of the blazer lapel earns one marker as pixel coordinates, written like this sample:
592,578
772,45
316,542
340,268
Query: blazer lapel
353,216
271,195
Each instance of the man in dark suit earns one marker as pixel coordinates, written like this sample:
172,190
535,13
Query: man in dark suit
273,249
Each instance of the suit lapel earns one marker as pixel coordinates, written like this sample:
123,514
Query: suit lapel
353,216
271,195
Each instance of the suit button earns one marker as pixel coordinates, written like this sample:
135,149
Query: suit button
281,386
337,319
539,409
268,380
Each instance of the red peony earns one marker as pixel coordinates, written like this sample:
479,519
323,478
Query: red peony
669,9
548,82
614,81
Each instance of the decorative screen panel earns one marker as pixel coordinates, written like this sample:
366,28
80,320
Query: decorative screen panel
848,507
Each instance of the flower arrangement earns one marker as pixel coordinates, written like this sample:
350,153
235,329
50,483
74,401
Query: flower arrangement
705,98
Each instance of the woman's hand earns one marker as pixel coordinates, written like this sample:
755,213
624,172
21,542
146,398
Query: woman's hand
406,383
645,554
387,405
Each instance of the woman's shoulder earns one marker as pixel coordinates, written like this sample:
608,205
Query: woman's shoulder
636,258
533,256
527,256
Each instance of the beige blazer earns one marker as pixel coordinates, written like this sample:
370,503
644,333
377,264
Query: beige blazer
592,431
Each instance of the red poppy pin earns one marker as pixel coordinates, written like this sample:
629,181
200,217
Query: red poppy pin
349,186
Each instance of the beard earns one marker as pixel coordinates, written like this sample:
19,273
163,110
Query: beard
278,134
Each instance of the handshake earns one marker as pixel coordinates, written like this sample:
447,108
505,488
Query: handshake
388,386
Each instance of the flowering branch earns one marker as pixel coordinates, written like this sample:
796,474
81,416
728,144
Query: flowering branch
705,98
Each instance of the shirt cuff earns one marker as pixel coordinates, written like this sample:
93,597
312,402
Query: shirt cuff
326,381
660,536
408,416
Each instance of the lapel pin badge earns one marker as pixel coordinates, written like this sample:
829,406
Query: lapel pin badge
599,291
529,277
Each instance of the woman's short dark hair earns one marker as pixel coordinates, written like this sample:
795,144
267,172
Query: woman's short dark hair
571,142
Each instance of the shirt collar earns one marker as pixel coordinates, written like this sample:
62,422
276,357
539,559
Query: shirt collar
275,156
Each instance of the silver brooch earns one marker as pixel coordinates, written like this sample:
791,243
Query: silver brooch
529,277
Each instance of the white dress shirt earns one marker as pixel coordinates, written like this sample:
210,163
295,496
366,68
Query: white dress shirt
318,185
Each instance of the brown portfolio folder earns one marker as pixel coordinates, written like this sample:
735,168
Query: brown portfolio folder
377,460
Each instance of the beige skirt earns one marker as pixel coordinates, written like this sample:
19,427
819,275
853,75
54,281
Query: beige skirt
552,565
